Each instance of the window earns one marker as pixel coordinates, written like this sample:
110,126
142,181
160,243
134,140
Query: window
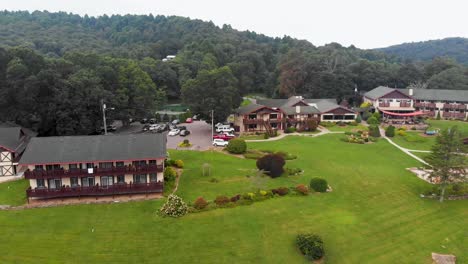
74,182
53,167
119,164
40,183
87,181
121,179
105,165
89,165
107,181
73,166
39,167
153,177
1,170
139,178
139,162
254,116
273,116
55,183
152,162
253,126
274,125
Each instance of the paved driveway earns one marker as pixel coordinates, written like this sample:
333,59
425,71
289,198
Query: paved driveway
200,136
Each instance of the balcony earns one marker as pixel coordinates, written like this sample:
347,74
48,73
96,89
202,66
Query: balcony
384,104
261,121
405,104
425,105
61,173
455,115
429,113
116,189
454,106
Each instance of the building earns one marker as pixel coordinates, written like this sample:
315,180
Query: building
268,114
94,165
13,142
450,104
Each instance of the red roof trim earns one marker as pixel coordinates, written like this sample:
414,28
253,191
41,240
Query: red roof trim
347,109
261,107
8,149
93,161
417,113
398,91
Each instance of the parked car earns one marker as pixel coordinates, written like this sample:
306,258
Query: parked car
110,128
144,120
174,132
184,133
153,127
153,121
181,127
229,134
176,122
219,142
224,129
188,120
163,127
146,127
220,124
195,117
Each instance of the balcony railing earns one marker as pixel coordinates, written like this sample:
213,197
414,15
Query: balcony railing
454,106
384,104
425,105
405,104
61,173
261,121
116,189
455,115
429,113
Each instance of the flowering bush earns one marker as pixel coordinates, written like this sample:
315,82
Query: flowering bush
235,198
200,203
221,200
174,207
179,163
281,191
263,193
302,189
169,174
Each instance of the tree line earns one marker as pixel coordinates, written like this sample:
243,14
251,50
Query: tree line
56,67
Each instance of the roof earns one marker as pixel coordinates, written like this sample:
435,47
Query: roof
248,108
14,138
422,94
315,106
439,94
50,150
378,92
291,110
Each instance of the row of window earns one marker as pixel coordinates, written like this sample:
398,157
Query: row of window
443,110
90,181
101,165
394,100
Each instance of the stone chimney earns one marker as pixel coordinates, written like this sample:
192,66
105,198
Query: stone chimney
298,109
410,92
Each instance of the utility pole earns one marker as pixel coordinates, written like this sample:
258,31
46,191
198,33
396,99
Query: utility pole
212,125
103,106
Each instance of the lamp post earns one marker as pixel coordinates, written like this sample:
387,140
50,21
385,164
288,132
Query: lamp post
104,108
212,125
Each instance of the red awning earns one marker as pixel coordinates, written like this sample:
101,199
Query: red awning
417,113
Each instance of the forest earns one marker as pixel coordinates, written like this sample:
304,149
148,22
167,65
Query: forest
55,68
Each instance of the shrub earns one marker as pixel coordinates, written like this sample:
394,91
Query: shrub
365,105
174,207
374,131
390,131
293,171
169,174
302,189
354,123
214,180
366,115
281,191
358,119
286,155
377,116
401,133
328,124
318,184
290,130
221,200
179,163
272,164
236,146
200,203
310,245
372,121
235,198
248,196
311,125
169,162
263,193
266,136
186,141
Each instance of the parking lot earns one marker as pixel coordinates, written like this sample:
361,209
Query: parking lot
200,136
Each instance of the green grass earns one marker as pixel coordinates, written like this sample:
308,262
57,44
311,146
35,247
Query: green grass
13,193
252,137
246,102
373,215
347,128
444,124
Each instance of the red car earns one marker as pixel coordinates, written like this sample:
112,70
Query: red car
189,120
223,137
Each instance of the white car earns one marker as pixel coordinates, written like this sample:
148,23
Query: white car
224,129
229,134
174,132
153,127
219,142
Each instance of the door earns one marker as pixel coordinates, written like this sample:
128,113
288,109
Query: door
87,181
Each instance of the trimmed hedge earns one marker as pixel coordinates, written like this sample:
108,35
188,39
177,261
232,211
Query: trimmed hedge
318,184
272,164
236,146
390,131
310,245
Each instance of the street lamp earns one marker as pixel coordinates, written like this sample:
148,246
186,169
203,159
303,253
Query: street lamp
104,109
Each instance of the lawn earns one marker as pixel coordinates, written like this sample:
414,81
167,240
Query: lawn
444,124
13,193
373,215
347,128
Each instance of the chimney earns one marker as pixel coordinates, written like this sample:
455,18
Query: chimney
298,109
410,92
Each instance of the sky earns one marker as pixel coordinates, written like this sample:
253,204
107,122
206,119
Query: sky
362,23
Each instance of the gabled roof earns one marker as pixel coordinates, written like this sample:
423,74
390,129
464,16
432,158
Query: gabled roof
379,92
305,110
247,109
69,149
14,138
272,102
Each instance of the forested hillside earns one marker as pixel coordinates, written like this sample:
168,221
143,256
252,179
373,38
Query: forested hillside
456,48
56,67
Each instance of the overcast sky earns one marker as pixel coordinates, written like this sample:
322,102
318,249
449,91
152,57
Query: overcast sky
364,23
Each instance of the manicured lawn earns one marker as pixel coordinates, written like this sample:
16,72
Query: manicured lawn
373,215
252,137
347,128
13,193
444,124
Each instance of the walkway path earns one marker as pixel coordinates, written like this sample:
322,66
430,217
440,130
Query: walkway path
405,150
323,131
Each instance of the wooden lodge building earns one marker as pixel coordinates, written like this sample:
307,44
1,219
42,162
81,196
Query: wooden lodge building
75,166
393,102
13,142
269,114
